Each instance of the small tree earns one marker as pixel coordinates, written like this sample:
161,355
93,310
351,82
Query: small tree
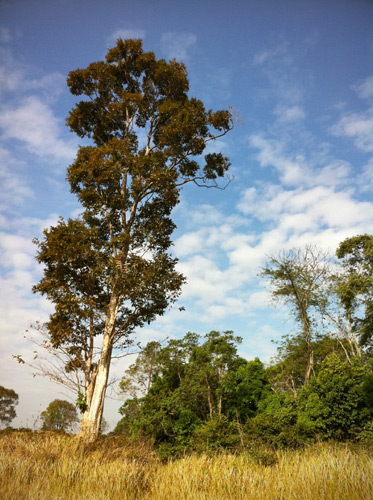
109,271
8,401
59,416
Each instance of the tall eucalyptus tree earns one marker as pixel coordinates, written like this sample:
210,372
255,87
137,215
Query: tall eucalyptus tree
109,270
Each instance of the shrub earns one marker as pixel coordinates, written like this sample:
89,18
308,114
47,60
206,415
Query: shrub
216,434
337,402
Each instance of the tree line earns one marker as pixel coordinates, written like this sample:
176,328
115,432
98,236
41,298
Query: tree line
199,394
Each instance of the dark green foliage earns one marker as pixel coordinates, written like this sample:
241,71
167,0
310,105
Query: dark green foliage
365,436
59,416
81,402
276,422
338,401
244,388
200,395
217,434
205,398
8,401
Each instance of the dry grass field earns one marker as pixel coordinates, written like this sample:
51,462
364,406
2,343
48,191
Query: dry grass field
49,466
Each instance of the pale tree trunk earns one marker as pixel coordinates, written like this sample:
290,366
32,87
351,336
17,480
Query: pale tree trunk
220,403
91,418
307,331
209,397
356,347
310,362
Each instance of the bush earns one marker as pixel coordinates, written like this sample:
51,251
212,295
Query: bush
365,436
276,423
216,434
337,402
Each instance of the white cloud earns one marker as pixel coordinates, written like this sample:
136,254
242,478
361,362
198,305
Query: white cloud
319,206
357,126
188,244
34,124
206,215
11,73
177,45
259,299
366,184
14,188
279,52
125,34
292,170
221,260
364,88
51,85
263,336
296,169
290,114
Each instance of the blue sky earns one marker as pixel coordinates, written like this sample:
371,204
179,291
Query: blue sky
299,74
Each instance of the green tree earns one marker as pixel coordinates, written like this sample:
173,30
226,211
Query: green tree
276,421
8,401
244,387
109,271
355,285
298,279
210,363
59,416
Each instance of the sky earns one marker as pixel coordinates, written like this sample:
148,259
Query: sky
299,77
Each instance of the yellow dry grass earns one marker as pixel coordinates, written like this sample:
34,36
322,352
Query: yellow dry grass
47,466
